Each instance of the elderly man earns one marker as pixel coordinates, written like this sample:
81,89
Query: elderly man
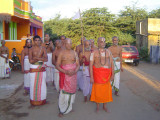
49,66
4,63
84,59
79,49
68,65
26,65
54,60
93,47
62,38
101,68
37,57
116,51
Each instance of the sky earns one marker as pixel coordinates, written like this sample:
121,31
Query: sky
48,9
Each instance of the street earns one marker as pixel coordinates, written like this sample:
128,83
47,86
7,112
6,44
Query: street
139,99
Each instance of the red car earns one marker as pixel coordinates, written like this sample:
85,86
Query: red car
130,54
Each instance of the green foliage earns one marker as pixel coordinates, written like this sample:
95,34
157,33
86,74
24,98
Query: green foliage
99,22
128,17
143,53
155,13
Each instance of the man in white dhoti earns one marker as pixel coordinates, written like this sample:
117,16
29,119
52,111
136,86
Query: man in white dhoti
117,58
49,66
84,59
68,65
54,60
79,49
4,63
37,57
25,65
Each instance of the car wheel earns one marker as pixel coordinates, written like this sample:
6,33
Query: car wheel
136,63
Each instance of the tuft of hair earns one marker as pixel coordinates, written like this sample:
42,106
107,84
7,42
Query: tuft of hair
63,36
36,36
115,37
101,38
87,41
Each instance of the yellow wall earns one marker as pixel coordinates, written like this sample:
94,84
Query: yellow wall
6,6
153,25
18,44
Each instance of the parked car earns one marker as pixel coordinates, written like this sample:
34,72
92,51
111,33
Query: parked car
130,54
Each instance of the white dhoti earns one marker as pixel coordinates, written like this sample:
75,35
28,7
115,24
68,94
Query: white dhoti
80,78
116,80
26,74
38,89
49,68
87,86
65,102
56,79
4,67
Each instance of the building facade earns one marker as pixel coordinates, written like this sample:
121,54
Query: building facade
17,20
148,32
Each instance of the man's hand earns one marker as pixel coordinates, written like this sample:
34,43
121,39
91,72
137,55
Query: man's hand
6,60
91,80
121,69
112,78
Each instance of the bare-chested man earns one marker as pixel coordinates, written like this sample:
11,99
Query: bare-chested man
116,51
4,64
63,41
25,65
79,48
101,68
54,60
68,65
50,67
37,57
93,47
85,78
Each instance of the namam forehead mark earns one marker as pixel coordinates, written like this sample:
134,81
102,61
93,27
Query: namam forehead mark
28,41
68,40
101,39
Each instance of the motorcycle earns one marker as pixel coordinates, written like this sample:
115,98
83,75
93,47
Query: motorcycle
14,63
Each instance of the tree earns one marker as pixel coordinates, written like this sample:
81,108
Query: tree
126,21
155,13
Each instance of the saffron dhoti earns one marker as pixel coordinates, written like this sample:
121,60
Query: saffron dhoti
101,88
49,68
68,90
4,67
37,85
26,74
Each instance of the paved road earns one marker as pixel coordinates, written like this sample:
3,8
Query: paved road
139,100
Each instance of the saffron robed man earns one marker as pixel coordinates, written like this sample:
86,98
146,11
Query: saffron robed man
68,65
101,69
37,57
